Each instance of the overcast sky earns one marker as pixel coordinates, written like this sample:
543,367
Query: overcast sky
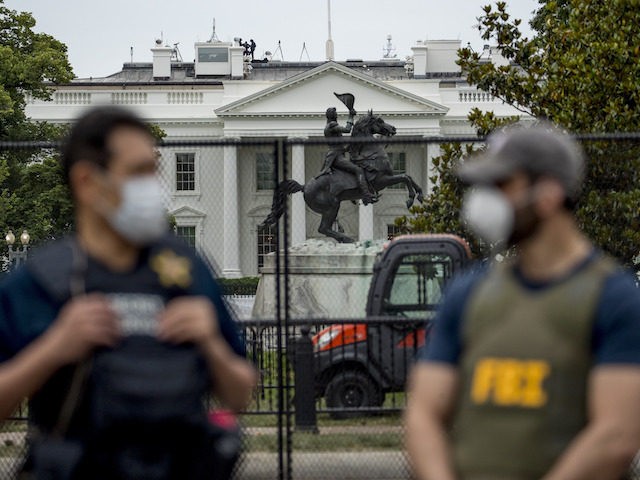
100,33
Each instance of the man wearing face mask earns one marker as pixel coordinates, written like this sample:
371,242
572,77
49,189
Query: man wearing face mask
116,333
533,367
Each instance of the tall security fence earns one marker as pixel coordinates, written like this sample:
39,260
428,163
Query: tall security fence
332,375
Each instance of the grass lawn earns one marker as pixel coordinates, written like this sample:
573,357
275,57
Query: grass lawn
350,438
11,451
324,420
347,442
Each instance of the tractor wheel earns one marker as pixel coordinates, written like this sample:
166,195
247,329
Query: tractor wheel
352,389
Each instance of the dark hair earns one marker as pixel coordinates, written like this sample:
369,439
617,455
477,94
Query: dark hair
90,134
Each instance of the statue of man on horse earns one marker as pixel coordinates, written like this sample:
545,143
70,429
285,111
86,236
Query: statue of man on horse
341,178
336,155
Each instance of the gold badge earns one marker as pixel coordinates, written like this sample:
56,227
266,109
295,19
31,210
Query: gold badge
171,269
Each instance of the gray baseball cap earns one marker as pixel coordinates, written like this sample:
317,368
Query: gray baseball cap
540,150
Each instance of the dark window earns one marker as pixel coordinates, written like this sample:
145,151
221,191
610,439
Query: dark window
399,166
265,171
185,171
266,242
418,282
213,54
393,231
187,233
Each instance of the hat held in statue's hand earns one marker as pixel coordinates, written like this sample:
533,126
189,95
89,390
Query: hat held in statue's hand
540,151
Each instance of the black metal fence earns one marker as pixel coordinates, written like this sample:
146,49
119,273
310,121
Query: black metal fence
322,409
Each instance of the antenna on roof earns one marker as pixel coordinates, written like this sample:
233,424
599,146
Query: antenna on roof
214,37
175,53
131,53
304,50
279,49
329,44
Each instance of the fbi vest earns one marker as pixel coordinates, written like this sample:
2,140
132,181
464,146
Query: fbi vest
524,367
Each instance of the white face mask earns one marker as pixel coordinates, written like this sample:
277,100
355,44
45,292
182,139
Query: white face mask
489,215
141,217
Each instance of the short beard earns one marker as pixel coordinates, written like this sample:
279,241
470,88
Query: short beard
526,224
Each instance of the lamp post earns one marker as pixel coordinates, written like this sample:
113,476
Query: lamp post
17,255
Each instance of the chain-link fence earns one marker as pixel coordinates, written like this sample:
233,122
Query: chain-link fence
319,412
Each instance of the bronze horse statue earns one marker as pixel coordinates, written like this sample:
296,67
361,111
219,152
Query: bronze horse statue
324,193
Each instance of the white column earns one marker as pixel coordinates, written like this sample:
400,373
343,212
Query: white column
231,263
433,150
298,209
365,222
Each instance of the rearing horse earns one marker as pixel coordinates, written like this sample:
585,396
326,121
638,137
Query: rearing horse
324,193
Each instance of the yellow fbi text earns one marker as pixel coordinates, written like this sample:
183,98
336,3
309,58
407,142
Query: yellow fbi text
510,382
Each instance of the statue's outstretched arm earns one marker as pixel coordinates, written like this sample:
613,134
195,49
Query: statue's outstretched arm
349,125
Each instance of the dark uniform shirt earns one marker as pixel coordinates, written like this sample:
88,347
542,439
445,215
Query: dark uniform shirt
616,326
32,296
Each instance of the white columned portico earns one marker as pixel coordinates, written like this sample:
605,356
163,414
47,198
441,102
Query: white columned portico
231,265
365,222
298,209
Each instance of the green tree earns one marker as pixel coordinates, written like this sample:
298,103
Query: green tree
32,194
28,60
33,190
440,210
580,70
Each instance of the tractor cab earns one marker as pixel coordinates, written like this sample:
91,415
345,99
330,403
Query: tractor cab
357,363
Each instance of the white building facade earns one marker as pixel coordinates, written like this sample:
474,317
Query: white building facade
220,195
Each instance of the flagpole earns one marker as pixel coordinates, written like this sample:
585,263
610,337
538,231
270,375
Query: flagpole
329,45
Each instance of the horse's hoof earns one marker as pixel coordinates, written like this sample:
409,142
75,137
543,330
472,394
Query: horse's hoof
369,199
410,202
420,198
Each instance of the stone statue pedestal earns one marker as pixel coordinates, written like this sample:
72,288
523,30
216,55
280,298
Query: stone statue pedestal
326,280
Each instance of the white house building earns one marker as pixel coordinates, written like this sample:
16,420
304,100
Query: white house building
220,195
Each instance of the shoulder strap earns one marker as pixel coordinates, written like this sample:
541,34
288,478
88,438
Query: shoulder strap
61,269
52,266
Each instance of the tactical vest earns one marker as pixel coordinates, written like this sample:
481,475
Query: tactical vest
524,368
139,413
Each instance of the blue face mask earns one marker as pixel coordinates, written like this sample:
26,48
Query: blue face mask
141,217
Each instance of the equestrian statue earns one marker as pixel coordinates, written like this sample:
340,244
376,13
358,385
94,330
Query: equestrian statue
360,177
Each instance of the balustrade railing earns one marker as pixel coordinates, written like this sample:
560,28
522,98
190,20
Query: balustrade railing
475,96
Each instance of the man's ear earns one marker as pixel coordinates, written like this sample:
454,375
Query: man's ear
82,181
550,195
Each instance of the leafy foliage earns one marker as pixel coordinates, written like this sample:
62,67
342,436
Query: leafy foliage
580,70
440,211
32,193
28,60
239,286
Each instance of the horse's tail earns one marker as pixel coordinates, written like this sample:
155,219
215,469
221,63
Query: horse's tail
286,187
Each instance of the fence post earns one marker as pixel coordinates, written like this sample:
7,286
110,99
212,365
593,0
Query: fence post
303,368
